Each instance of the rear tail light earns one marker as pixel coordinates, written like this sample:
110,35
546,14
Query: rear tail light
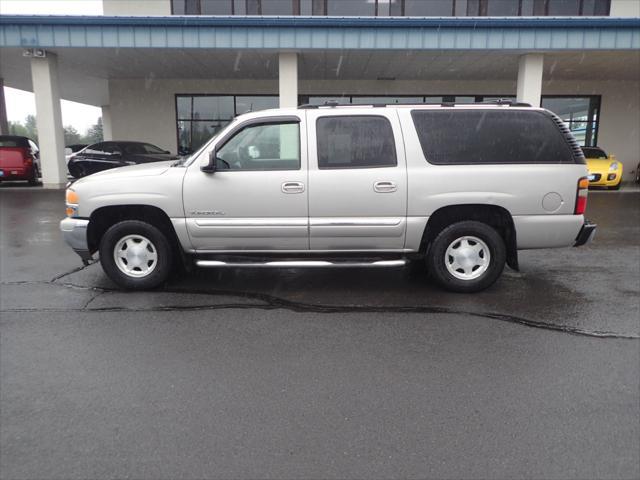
581,196
27,159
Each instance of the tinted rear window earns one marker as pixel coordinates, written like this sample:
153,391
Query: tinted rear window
482,136
13,142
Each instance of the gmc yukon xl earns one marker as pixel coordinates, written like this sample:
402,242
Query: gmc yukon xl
460,187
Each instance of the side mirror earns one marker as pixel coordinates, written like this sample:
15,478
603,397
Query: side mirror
210,167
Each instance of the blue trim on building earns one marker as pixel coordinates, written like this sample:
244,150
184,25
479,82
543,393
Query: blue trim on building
321,33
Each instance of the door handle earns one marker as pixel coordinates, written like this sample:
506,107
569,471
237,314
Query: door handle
292,187
385,187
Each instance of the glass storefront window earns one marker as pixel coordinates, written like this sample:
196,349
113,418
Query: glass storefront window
277,7
246,104
199,117
502,8
239,7
374,100
184,107
213,108
395,8
464,99
433,8
579,113
321,100
351,8
419,8
215,7
563,7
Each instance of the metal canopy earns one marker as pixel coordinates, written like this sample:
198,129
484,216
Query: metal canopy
321,33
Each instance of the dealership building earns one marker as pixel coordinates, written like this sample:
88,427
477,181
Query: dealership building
174,72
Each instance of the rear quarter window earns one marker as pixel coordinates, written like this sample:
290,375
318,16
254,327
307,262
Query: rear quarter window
458,137
13,143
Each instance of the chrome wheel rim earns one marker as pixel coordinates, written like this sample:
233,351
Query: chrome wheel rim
135,256
467,258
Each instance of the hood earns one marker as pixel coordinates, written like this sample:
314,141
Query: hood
140,170
599,164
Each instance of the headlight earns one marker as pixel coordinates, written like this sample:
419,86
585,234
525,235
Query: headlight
71,196
72,203
614,166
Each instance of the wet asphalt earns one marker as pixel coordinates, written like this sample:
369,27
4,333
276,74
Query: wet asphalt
319,373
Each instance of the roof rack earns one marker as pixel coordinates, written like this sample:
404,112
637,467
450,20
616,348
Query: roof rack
333,104
506,101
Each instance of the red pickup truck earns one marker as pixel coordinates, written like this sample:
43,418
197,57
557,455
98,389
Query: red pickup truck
19,159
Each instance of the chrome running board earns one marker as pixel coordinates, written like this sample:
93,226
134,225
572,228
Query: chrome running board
301,264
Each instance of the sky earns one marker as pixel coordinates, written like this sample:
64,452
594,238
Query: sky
21,103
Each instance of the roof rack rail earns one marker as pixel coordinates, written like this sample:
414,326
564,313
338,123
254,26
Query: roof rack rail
501,101
331,103
507,101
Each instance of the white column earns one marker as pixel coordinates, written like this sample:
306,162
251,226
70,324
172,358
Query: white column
4,124
44,74
288,79
530,78
107,133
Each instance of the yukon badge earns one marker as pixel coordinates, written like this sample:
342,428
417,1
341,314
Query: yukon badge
206,212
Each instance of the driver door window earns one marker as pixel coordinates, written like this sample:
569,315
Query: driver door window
273,146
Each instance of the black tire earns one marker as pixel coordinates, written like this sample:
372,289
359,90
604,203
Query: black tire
437,257
33,181
159,242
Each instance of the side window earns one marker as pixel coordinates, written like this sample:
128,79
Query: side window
96,148
501,136
110,147
134,149
358,141
271,146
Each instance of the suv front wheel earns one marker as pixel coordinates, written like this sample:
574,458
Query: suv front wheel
467,256
136,255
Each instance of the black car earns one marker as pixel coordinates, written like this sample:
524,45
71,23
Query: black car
113,154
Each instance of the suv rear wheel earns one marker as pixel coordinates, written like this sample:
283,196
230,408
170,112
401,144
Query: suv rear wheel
136,255
466,256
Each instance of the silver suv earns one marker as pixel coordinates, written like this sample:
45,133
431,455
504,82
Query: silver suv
461,187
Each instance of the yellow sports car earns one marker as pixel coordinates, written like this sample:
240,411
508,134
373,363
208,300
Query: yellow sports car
604,170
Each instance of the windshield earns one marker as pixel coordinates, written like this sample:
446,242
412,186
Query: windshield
594,153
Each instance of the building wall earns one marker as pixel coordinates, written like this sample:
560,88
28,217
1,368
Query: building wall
625,8
136,7
145,109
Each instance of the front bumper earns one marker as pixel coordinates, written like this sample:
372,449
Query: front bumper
586,234
74,231
601,179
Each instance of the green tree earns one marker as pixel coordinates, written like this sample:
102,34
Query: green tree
71,135
32,128
94,133
17,128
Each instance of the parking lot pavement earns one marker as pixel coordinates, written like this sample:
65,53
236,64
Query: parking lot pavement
319,374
